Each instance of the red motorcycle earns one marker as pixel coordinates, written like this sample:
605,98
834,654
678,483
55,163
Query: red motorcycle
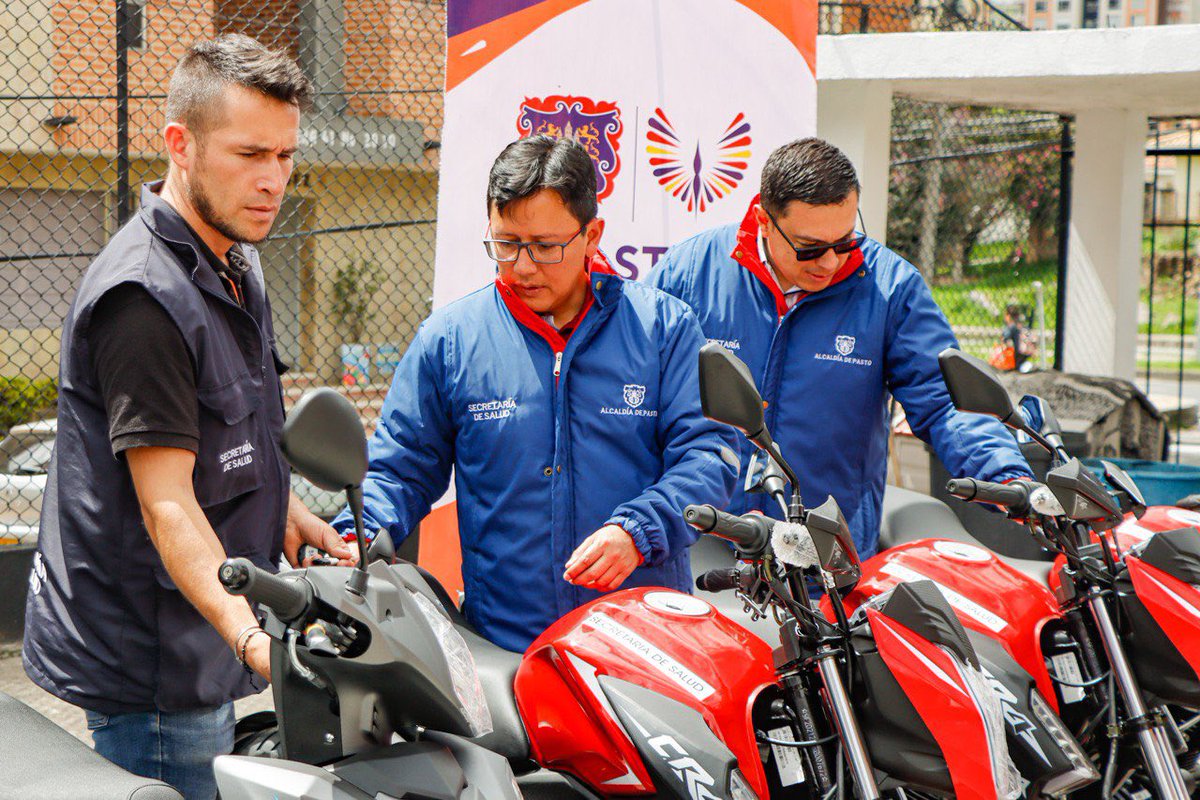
1110,631
655,693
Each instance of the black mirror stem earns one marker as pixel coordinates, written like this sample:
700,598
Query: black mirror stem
358,578
764,440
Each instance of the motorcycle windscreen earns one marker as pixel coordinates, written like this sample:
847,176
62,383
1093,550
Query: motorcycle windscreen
925,662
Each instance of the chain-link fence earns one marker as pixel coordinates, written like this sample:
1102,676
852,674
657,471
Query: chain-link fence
854,16
349,264
974,204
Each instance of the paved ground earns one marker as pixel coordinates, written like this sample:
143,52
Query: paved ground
14,682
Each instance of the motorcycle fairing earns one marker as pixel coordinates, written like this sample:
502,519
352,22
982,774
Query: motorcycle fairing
933,684
671,643
686,759
987,596
443,765
1175,607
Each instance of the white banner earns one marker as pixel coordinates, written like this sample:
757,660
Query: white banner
678,101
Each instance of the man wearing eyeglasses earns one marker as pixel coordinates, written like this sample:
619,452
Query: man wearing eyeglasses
830,322
567,401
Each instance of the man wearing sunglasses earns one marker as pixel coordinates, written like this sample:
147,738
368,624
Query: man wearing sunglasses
565,398
830,323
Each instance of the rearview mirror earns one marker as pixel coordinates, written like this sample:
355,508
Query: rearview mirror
974,387
728,393
834,542
323,439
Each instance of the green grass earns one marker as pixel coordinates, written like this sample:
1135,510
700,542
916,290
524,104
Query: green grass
1169,367
1169,240
1166,314
1002,284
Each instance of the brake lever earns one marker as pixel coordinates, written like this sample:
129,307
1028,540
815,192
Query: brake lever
319,557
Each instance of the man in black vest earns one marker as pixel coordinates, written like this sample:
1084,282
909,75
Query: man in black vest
167,458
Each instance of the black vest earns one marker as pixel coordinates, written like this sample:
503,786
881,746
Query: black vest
105,627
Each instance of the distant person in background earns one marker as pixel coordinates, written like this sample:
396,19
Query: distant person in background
1015,340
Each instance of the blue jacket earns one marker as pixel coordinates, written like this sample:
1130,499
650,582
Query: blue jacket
550,441
826,366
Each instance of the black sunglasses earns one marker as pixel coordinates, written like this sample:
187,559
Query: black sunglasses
814,251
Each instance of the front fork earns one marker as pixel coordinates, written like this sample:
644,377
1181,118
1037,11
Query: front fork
1152,734
847,724
844,720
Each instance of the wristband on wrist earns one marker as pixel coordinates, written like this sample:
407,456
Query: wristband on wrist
245,644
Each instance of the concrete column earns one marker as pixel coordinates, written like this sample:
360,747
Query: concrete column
857,117
1104,264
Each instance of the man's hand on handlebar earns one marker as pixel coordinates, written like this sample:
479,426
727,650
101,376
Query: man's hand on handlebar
304,527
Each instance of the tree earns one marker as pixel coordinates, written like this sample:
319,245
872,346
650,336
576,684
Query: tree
354,284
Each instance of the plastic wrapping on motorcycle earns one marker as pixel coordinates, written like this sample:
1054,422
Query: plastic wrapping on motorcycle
675,646
1041,746
665,732
1007,615
1158,594
921,608
946,693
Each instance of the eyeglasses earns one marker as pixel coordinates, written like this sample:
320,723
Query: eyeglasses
504,251
814,251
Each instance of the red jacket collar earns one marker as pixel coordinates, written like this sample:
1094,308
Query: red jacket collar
745,252
532,320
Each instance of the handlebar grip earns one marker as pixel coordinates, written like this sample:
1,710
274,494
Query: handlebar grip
748,533
719,580
288,598
1013,496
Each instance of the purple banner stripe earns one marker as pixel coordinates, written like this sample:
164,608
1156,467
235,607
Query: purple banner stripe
463,15
664,130
745,126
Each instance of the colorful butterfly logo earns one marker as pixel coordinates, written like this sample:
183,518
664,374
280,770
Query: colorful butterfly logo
698,184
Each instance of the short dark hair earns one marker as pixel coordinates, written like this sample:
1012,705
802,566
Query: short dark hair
195,94
809,170
529,165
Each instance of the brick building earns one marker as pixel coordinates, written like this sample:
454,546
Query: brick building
364,187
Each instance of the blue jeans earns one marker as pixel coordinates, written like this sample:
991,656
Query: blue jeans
176,747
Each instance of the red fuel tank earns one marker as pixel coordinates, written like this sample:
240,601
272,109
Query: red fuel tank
988,596
666,641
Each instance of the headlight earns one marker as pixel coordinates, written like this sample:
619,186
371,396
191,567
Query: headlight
739,787
1082,772
462,667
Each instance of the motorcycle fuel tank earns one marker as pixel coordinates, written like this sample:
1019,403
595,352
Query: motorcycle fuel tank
676,645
